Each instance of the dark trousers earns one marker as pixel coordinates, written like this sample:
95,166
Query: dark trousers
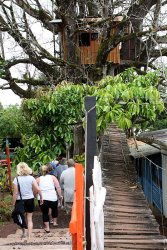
45,209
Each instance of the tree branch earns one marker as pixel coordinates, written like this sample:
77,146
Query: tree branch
33,82
40,14
109,44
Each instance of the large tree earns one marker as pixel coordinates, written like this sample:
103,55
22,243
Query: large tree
30,45
128,99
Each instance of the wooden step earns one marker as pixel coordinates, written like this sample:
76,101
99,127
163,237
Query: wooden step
35,247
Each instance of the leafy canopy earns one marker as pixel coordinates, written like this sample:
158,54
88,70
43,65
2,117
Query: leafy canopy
12,122
2,68
127,99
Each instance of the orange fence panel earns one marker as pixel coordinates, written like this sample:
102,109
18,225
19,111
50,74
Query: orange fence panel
77,217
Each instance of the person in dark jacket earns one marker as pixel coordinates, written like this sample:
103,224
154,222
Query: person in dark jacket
60,168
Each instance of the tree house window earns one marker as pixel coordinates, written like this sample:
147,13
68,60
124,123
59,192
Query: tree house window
84,39
94,36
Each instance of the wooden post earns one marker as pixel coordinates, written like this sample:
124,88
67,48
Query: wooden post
90,152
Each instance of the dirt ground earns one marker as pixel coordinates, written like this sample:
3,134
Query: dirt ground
63,221
10,228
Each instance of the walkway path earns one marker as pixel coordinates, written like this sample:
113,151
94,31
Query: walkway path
129,223
58,238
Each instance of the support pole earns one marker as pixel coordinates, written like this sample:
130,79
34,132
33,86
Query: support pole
90,152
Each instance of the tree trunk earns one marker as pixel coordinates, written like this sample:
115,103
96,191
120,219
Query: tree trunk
79,139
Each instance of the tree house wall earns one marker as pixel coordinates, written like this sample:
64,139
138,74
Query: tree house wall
87,53
128,50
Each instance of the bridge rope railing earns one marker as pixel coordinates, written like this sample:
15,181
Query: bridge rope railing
152,164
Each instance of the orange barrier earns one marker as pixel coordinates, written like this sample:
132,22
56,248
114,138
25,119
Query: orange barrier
77,217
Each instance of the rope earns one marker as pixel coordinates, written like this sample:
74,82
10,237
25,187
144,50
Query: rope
159,189
161,204
87,112
142,155
151,183
86,198
153,162
125,161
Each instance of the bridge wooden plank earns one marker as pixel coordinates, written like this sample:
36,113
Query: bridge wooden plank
130,228
132,232
128,210
134,237
132,220
122,214
123,201
129,222
131,246
134,241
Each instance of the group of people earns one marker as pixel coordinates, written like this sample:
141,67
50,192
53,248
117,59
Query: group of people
55,184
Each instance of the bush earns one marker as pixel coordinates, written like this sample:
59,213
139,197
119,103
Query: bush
80,159
5,209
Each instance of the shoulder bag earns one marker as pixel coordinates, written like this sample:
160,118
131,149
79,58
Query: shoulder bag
19,205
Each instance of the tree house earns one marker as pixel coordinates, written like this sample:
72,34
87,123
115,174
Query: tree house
87,40
88,45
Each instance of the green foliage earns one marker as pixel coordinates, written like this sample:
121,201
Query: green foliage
5,209
80,159
127,99
1,106
1,141
159,124
2,68
4,184
53,116
12,122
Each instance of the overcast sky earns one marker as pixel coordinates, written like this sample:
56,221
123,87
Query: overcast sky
7,97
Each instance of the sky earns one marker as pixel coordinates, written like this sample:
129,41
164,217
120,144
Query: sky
7,97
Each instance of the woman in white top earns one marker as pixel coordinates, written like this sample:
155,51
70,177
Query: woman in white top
28,186
48,185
